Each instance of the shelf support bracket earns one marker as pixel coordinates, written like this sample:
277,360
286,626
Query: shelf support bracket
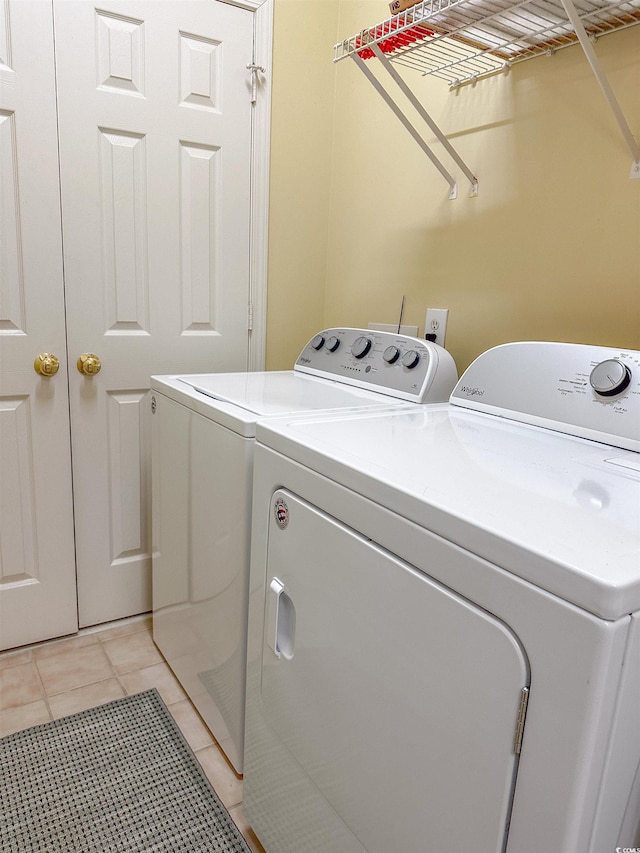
603,82
424,115
453,189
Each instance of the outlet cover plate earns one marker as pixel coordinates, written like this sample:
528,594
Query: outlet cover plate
436,323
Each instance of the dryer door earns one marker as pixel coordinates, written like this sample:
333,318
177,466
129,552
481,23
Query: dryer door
389,704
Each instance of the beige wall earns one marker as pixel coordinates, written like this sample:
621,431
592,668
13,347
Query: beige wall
550,248
301,138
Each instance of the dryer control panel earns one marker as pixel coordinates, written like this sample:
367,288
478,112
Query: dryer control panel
404,367
582,390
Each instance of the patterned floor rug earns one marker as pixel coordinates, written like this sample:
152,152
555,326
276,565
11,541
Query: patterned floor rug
119,778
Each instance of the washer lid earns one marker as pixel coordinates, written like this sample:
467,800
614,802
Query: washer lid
237,400
281,392
559,511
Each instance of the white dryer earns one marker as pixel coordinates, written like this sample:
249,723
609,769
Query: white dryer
444,617
203,429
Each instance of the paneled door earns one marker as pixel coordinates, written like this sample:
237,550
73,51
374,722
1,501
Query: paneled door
37,564
136,183
154,103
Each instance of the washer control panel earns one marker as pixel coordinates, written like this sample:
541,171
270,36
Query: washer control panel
582,390
399,365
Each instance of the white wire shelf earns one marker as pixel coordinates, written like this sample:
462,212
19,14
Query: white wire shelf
463,40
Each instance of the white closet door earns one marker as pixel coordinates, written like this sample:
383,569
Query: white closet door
155,108
37,567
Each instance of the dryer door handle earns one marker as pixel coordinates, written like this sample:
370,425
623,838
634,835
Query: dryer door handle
281,620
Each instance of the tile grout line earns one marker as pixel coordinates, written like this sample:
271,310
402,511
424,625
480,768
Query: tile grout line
113,669
45,695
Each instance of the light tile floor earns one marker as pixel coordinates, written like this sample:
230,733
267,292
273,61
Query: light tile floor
50,680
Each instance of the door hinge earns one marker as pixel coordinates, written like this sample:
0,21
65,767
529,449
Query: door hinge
522,713
250,317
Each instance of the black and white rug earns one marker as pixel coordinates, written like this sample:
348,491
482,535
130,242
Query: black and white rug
119,778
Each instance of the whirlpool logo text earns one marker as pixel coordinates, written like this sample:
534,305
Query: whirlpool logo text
472,392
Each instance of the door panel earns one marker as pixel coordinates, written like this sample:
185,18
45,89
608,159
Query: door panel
389,689
37,565
155,133
127,423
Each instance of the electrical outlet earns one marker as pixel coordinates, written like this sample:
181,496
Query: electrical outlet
436,324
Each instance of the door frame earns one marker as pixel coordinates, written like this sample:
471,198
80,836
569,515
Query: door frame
260,160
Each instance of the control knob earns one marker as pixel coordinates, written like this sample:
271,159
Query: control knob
317,342
610,377
391,354
333,343
361,347
410,359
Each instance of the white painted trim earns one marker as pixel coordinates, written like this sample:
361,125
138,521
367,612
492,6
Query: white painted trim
260,154
260,158
251,5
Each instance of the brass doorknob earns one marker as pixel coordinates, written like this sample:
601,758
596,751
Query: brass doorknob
46,364
89,364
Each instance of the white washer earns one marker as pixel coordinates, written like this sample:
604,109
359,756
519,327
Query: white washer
203,429
444,617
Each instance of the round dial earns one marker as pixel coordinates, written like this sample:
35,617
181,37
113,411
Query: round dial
317,342
411,359
391,354
333,343
610,377
361,347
